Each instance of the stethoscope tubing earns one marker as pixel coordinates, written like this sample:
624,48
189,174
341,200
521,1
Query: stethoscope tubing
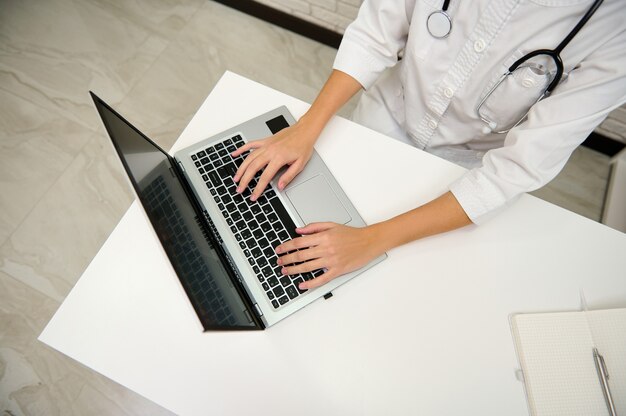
554,54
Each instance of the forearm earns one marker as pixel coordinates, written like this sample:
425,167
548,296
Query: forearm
339,88
438,216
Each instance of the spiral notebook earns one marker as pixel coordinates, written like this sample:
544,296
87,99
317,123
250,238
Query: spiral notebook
555,351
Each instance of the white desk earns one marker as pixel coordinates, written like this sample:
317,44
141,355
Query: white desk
425,332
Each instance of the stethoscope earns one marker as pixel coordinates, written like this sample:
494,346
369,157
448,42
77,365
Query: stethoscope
439,25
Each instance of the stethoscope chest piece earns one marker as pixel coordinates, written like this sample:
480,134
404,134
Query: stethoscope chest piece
439,24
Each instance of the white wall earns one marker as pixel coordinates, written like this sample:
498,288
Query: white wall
335,15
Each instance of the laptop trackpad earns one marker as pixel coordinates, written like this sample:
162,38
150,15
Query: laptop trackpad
315,201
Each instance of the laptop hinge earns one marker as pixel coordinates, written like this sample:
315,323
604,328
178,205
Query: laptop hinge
258,309
180,165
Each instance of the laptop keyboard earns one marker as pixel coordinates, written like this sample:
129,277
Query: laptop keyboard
258,226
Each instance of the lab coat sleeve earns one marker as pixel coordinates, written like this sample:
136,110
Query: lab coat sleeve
536,151
372,42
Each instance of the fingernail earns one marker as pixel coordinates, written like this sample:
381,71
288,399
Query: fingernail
301,286
278,251
281,185
279,262
239,189
253,198
283,270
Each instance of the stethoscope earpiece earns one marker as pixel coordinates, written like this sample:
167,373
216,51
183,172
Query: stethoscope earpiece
439,24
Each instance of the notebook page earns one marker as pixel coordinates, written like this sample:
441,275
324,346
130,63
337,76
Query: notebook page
608,329
555,353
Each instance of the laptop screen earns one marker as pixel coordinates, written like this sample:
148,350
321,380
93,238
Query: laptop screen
183,236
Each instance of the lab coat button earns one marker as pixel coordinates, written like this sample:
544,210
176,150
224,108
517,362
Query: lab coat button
432,124
528,82
479,45
448,92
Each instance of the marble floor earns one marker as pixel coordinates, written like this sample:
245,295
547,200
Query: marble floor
62,190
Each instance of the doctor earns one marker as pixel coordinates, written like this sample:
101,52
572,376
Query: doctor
465,91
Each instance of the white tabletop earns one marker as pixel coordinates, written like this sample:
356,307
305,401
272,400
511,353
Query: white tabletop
425,332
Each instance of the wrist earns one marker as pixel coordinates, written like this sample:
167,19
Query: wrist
309,129
313,122
378,238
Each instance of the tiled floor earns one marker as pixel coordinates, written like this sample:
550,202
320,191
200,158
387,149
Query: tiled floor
61,187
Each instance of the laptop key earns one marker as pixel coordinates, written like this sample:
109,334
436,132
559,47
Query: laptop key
269,252
227,171
258,234
267,227
283,300
275,304
256,252
285,281
292,292
272,281
279,291
297,282
266,287
284,217
215,179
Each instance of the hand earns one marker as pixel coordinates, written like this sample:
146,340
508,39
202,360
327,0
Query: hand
337,248
292,146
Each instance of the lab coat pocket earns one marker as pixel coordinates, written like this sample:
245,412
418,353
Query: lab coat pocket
508,101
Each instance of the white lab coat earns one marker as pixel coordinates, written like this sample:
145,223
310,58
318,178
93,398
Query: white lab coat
429,97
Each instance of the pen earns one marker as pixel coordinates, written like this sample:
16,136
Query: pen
603,375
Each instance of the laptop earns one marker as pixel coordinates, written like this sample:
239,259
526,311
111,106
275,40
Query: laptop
221,244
